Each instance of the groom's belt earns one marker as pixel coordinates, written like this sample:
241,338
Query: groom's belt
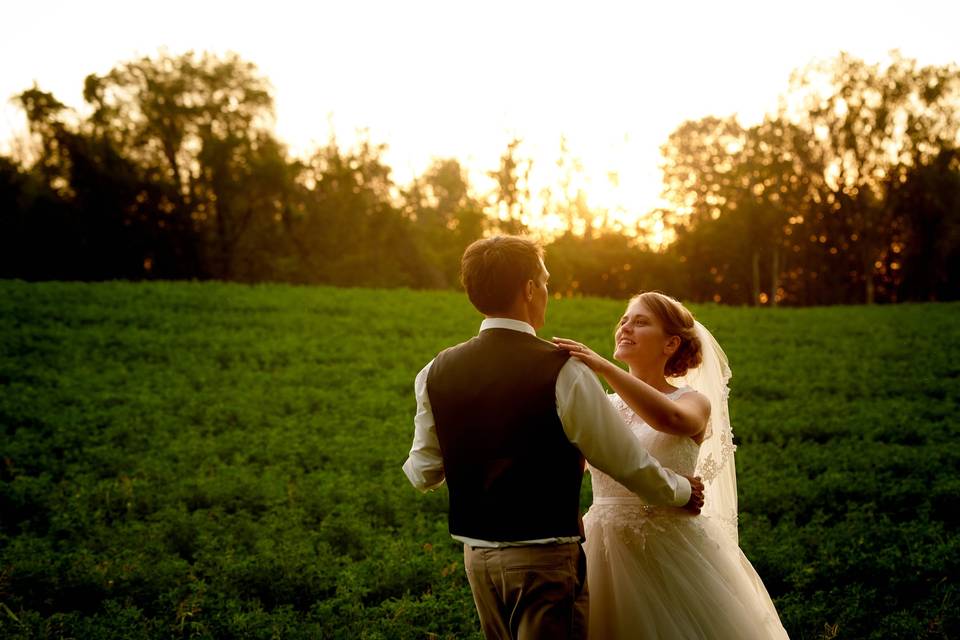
474,543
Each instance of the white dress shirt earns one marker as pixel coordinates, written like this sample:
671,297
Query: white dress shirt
591,424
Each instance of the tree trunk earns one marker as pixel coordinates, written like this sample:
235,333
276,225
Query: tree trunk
775,276
868,270
756,278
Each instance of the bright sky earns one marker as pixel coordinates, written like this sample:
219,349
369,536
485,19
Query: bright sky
450,78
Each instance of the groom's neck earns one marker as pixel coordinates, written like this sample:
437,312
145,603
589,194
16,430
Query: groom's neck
519,311
511,316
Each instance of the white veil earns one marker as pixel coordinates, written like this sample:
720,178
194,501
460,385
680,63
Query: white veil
715,461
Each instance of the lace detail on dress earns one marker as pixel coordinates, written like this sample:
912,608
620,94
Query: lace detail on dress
678,453
709,467
631,523
619,512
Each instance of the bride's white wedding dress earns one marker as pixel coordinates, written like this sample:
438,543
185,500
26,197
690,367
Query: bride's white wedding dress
660,572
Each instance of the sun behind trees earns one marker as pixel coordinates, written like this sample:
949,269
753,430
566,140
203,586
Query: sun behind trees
849,193
839,197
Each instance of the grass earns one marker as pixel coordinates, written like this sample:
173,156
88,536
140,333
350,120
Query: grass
213,460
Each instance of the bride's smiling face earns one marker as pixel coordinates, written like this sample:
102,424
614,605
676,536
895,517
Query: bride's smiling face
639,336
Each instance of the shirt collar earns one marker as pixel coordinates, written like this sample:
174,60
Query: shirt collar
507,323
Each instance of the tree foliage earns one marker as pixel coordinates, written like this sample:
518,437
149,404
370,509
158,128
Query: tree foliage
826,193
850,192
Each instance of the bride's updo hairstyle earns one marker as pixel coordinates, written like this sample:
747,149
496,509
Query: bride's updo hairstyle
676,321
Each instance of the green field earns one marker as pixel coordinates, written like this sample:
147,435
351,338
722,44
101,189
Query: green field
223,461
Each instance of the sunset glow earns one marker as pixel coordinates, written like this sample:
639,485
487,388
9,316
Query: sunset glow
456,79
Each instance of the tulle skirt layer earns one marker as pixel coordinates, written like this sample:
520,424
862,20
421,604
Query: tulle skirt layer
661,573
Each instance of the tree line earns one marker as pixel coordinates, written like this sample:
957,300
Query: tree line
848,193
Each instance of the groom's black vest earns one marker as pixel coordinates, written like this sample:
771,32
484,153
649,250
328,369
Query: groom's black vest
511,472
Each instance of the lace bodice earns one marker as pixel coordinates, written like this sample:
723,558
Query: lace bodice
678,453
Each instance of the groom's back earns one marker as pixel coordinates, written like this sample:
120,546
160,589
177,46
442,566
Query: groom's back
511,472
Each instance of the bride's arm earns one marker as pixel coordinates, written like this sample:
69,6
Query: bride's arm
685,416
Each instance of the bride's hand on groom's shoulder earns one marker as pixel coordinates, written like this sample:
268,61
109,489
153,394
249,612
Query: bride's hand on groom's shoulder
583,353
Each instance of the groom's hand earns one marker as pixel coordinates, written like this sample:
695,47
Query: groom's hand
696,495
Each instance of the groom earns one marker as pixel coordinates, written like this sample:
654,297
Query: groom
507,418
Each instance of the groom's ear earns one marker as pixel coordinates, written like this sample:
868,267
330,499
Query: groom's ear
528,290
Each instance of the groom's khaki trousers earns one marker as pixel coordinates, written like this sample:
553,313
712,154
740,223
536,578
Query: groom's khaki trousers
529,592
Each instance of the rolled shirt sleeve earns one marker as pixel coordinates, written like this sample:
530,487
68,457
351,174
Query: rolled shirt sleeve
424,465
593,425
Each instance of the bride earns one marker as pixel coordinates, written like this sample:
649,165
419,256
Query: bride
659,572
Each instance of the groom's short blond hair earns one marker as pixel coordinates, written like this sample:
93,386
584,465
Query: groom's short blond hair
494,271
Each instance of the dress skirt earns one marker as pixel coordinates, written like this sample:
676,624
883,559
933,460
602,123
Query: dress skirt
662,573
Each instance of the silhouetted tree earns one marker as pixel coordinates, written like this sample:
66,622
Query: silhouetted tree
710,190
446,218
196,123
512,193
348,225
868,120
808,191
85,202
850,192
925,253
570,200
